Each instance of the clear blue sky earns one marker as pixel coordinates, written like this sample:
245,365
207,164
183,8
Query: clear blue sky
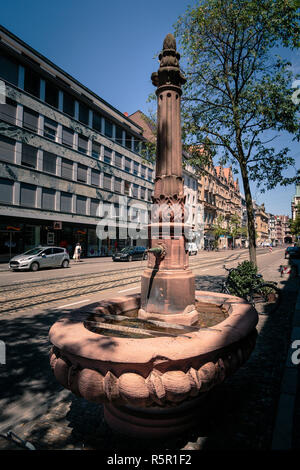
110,47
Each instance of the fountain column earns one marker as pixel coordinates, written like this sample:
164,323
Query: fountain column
167,285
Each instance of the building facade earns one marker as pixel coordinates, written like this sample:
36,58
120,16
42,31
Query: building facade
261,224
220,195
66,158
296,202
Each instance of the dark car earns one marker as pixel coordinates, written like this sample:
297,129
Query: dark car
292,252
131,253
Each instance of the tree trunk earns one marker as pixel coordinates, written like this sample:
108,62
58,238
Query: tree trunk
250,215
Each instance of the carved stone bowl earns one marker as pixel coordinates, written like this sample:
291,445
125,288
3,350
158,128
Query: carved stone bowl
150,378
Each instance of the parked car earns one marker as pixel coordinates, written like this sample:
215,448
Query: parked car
41,257
131,253
292,252
192,248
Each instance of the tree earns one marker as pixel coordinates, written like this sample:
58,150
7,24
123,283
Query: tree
235,227
218,229
237,90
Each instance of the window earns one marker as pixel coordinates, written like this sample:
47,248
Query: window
127,188
118,160
135,168
67,137
58,250
48,252
119,135
95,203
143,193
67,169
95,178
32,82
7,149
150,174
30,119
135,190
128,140
49,162
81,205
83,113
8,68
66,202
107,155
97,122
96,150
50,128
51,94
118,185
29,156
28,195
8,111
107,181
69,104
136,145
127,165
143,171
82,173
48,199
6,191
108,129
82,143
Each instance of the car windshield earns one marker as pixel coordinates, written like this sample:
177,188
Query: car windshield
126,250
33,251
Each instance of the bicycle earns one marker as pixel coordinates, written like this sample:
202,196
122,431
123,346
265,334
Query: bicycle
264,296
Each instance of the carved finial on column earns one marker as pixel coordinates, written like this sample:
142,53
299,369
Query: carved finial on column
169,71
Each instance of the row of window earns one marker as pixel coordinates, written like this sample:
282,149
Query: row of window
30,122
50,93
49,164
28,198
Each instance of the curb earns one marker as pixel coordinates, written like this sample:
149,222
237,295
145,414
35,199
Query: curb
283,430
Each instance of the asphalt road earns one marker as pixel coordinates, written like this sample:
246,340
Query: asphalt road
95,279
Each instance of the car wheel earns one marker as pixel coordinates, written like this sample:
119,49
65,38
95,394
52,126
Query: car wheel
65,263
34,267
145,257
129,258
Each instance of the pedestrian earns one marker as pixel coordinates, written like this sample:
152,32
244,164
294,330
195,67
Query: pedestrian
77,253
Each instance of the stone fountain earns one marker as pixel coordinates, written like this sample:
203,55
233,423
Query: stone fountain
153,357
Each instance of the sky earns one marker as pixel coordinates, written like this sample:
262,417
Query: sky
111,47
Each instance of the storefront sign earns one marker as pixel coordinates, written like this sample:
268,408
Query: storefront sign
50,238
57,225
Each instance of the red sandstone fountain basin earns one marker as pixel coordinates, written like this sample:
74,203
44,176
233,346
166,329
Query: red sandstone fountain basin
180,364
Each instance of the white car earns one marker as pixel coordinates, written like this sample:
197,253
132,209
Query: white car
41,257
192,248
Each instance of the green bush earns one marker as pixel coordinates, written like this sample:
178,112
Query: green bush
242,276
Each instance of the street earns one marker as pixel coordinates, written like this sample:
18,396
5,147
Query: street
94,279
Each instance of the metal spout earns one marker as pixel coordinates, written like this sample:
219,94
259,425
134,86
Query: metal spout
158,250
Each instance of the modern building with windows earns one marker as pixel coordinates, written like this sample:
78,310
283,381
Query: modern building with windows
64,154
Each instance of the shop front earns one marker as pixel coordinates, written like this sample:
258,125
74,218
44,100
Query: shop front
23,234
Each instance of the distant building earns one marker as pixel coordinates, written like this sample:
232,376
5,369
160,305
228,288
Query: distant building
296,201
261,223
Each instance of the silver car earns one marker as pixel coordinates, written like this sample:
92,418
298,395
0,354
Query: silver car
41,257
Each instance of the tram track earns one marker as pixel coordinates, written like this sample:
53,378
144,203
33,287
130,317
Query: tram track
46,291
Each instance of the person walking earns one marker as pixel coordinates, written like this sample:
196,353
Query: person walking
77,253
